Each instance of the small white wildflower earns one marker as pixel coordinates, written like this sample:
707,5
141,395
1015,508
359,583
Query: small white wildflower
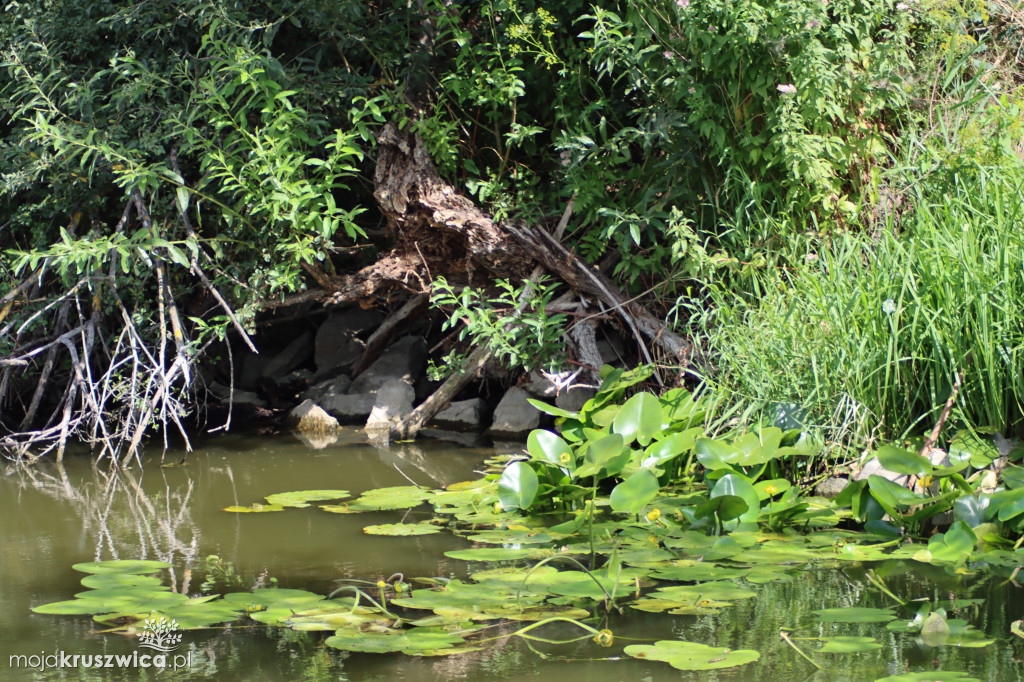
786,88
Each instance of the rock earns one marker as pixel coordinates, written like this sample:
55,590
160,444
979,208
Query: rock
538,386
252,370
404,360
293,355
318,392
308,417
514,417
337,347
296,376
393,401
238,397
349,408
574,399
874,467
831,486
463,415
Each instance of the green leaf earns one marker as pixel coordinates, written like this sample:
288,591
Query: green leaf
848,645
122,566
640,418
731,484
855,614
545,446
517,486
635,492
903,461
691,656
608,452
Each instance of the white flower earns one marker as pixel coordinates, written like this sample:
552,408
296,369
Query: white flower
786,88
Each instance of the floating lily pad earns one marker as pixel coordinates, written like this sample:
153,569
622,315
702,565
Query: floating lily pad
499,554
105,581
402,529
301,498
122,566
411,642
697,571
855,614
848,645
691,656
930,676
256,507
395,497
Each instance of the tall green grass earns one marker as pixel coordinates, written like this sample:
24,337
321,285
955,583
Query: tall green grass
868,330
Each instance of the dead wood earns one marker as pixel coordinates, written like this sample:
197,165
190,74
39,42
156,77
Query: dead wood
386,331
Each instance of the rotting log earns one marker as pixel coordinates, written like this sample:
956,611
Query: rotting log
438,231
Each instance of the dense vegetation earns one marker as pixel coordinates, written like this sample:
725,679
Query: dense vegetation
824,195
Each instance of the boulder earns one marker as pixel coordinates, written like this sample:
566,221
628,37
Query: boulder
336,386
831,486
393,401
464,415
236,397
404,360
537,385
514,417
252,369
293,355
308,417
337,347
349,408
575,398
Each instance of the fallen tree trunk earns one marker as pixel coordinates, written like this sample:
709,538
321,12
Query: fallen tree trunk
441,232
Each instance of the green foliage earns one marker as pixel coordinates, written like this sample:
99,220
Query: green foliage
513,324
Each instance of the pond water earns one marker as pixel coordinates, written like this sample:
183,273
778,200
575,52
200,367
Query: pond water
55,517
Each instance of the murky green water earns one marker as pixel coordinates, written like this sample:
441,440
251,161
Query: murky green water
53,518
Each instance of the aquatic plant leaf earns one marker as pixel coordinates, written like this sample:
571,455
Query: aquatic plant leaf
732,484
402,529
639,419
122,566
969,446
301,498
517,486
635,492
855,614
189,616
498,554
847,645
1012,477
503,536
547,408
930,676
661,451
691,656
410,642
254,507
725,507
75,607
608,452
276,603
394,497
105,581
715,454
547,447
903,461
698,571
892,494
717,591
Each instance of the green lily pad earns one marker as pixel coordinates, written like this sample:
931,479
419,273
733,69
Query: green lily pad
395,497
855,614
256,507
848,645
301,498
930,676
106,581
402,529
697,571
411,642
122,566
499,554
692,656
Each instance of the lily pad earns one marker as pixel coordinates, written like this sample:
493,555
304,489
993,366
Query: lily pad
106,581
402,529
691,655
301,498
499,554
411,642
395,497
122,566
855,614
256,507
848,645
930,676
